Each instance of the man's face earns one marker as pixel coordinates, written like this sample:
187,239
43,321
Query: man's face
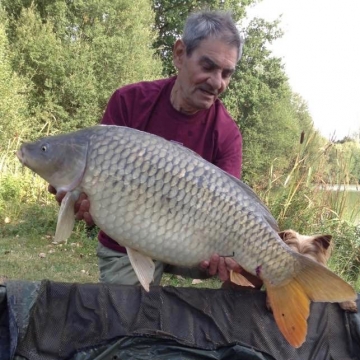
203,75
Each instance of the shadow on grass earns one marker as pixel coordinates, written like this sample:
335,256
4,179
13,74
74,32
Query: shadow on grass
34,219
28,219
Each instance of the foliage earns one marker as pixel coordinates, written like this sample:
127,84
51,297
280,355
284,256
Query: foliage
273,140
298,201
261,101
346,250
77,53
170,17
340,153
13,102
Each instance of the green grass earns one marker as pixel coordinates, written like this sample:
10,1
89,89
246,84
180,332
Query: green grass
35,258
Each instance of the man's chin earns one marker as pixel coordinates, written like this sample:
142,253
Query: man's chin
205,102
204,105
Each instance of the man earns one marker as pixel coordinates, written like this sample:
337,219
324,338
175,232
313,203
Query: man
185,109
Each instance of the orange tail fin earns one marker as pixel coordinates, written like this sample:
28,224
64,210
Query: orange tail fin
290,302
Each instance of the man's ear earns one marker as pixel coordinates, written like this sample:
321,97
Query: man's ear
179,52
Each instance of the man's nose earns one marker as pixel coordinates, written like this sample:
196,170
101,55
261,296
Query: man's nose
216,80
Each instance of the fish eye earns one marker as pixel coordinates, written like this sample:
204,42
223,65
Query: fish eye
44,148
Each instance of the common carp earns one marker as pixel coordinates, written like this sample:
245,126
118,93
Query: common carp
163,201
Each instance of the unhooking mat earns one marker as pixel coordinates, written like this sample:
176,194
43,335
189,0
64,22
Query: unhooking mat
47,321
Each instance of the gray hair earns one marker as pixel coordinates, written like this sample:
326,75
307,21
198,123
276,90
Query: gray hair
218,24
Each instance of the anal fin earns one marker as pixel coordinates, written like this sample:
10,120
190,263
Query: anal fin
239,279
143,266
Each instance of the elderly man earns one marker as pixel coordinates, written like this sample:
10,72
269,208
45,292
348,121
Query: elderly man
186,109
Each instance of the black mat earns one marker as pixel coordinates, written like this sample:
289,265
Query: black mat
50,320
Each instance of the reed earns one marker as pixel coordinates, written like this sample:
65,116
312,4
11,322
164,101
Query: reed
301,200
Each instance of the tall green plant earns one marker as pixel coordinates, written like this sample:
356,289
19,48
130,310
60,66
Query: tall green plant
171,15
13,100
77,53
301,199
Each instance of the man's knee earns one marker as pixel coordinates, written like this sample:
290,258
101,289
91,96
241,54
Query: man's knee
115,268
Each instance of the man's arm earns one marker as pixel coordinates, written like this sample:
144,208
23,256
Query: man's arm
229,153
116,112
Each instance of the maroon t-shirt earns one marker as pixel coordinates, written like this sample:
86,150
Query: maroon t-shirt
146,106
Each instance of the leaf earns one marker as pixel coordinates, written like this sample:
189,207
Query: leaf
196,281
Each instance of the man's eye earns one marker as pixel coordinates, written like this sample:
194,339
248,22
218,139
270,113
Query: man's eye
227,75
207,68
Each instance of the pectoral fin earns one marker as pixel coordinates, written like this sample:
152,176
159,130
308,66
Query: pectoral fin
143,266
66,218
239,279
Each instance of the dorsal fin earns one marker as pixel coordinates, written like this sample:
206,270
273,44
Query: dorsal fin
257,201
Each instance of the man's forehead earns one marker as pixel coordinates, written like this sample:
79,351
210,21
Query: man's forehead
213,63
216,51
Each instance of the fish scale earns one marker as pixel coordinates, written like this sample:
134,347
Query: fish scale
168,197
162,201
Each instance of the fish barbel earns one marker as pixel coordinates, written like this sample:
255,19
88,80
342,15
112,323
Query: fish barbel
163,201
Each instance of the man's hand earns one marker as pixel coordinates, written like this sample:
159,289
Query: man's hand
81,208
223,265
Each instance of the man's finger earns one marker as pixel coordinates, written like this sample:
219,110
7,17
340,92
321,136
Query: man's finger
231,264
51,189
59,196
81,208
204,265
222,270
88,219
84,206
214,264
78,204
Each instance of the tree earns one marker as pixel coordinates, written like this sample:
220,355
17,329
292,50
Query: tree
256,91
13,101
170,18
76,53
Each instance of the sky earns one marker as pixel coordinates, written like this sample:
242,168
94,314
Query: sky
321,52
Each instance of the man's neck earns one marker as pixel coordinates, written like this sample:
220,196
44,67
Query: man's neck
177,101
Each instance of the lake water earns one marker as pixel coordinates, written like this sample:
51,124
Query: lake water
352,200
341,187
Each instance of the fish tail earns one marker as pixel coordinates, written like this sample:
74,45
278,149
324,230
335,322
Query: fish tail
290,302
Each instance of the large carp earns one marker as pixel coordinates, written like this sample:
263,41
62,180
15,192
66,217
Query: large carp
162,201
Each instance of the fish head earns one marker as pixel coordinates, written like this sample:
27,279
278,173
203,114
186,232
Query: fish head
60,160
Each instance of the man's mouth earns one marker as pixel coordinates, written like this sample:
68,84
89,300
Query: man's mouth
208,92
